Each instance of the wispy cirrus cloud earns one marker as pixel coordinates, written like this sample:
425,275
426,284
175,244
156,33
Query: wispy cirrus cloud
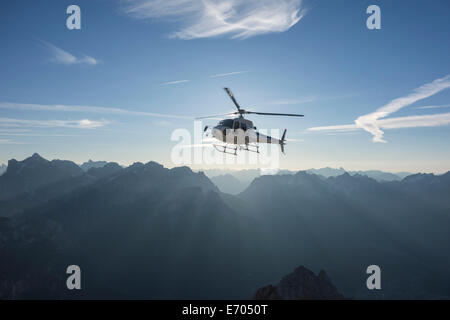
37,135
163,123
87,109
9,141
432,107
368,122
174,82
374,122
220,75
294,101
208,18
340,127
432,120
310,98
13,130
63,57
79,124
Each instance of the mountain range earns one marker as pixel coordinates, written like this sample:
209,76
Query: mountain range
374,174
235,181
149,232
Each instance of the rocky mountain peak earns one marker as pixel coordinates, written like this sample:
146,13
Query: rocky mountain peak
300,284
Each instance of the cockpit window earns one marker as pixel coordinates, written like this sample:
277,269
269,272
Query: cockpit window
227,123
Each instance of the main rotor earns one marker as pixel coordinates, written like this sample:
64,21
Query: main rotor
241,111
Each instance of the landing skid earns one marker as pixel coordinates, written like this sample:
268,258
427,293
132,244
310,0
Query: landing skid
234,149
250,148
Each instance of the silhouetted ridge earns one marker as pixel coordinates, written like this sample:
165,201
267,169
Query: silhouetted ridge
419,177
353,183
181,171
135,166
300,284
33,172
107,170
278,184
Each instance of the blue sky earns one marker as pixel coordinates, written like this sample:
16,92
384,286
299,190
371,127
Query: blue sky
116,89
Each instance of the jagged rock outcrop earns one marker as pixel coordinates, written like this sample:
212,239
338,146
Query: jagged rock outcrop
300,284
267,293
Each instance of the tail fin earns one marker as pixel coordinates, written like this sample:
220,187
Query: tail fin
282,141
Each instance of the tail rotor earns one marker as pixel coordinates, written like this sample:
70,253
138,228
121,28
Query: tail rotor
283,141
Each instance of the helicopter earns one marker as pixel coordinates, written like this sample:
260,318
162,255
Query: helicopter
240,133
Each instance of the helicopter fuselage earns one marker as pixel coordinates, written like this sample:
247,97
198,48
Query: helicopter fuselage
240,131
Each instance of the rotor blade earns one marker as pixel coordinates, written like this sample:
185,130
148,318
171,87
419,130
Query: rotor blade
275,114
215,116
232,98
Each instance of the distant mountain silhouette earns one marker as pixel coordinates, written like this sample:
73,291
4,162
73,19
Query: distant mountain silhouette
327,171
50,189
374,174
33,172
103,171
247,176
378,175
300,284
147,231
92,164
229,184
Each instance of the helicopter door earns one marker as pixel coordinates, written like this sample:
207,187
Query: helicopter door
236,125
